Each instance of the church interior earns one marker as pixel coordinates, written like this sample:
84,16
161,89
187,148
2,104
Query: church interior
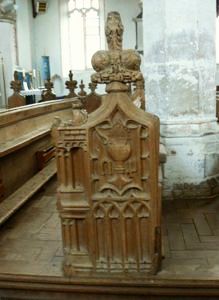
109,150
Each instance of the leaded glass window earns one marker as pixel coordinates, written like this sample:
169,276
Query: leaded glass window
84,32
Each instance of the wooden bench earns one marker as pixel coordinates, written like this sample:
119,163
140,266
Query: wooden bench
44,156
13,202
23,132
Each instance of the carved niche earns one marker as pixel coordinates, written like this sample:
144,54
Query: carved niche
108,194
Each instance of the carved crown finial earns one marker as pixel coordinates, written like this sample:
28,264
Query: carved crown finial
16,84
16,99
82,92
92,86
47,94
48,84
71,85
116,64
15,75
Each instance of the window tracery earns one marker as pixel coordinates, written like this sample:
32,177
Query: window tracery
84,32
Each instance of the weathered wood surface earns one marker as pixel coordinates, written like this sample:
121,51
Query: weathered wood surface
44,155
107,163
31,256
12,203
22,132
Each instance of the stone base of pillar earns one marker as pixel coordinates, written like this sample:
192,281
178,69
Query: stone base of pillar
192,167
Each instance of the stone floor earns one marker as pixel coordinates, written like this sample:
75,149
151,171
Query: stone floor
30,242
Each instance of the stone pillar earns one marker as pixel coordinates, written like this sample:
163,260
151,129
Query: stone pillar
180,63
8,58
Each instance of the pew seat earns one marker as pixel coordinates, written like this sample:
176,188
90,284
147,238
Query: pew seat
13,202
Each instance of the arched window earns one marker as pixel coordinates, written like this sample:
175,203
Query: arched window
84,32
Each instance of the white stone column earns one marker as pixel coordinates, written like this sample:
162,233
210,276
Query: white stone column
7,59
179,70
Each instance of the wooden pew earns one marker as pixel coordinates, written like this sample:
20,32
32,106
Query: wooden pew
44,156
109,198
91,101
24,131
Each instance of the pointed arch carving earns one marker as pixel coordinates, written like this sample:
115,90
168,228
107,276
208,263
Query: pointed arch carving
114,206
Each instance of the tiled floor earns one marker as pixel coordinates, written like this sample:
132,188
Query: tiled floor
30,242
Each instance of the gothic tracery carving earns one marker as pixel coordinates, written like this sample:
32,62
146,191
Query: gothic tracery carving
108,195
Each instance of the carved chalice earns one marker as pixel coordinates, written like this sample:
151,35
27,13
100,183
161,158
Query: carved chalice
119,150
